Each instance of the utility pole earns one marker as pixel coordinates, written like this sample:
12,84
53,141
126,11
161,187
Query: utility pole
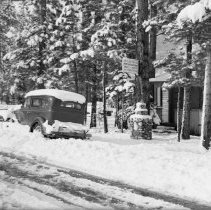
143,51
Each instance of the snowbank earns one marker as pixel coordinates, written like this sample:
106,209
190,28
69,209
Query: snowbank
68,126
7,111
162,164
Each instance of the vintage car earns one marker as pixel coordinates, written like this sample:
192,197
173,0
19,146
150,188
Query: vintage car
54,113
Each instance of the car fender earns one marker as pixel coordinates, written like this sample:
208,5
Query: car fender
38,119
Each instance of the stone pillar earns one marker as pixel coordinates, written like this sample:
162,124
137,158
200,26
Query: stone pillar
141,123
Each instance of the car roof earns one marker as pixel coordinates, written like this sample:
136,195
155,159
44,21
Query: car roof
63,95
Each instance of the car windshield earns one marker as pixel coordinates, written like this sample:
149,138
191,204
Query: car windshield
70,104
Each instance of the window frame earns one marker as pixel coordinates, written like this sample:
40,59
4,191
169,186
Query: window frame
27,105
75,104
36,98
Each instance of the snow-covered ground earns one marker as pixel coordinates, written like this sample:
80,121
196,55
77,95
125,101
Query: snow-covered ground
66,190
162,164
12,198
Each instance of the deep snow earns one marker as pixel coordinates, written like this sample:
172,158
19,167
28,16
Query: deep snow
162,164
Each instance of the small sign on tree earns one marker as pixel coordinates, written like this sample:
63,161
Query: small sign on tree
130,66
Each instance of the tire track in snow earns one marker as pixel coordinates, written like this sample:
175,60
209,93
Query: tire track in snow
17,173
95,196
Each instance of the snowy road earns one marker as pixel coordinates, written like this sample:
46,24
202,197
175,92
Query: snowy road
69,189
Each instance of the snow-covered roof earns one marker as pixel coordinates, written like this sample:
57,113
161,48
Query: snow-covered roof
161,77
60,94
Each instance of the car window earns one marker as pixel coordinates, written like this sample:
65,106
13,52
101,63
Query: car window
36,102
68,104
45,103
78,106
27,103
71,104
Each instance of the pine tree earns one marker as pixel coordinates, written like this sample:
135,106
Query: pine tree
198,17
167,23
8,20
121,92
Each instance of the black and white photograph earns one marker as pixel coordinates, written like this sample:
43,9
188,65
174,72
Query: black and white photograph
105,104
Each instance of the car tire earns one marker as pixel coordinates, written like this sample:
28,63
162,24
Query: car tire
37,127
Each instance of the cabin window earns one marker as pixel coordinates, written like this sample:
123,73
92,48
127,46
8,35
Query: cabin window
196,97
158,96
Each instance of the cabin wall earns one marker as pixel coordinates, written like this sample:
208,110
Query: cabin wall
196,108
165,107
195,120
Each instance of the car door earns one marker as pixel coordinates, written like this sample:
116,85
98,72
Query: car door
36,109
40,108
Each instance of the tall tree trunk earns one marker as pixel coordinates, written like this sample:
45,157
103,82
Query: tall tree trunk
187,93
1,66
104,100
1,45
42,44
153,40
206,112
117,111
186,113
122,114
86,92
143,51
178,114
94,98
76,76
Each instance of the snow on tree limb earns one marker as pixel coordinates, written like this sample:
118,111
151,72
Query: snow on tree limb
194,13
207,4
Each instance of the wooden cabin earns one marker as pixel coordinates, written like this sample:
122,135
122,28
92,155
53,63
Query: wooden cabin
166,101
